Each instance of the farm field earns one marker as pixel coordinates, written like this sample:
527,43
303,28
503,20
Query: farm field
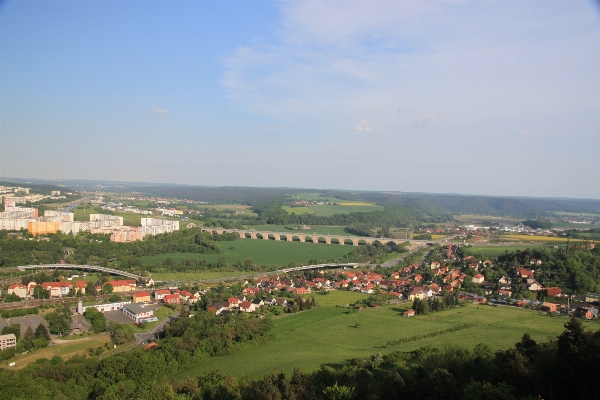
195,276
322,229
329,210
541,239
298,210
263,252
65,351
495,251
329,336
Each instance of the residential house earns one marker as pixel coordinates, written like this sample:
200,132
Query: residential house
18,289
80,287
161,293
141,297
171,299
534,286
524,273
416,292
247,306
548,307
554,292
478,279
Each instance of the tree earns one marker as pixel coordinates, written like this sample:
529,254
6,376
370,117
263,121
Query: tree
13,328
41,332
113,297
41,293
60,320
96,318
90,288
336,392
121,335
107,288
29,334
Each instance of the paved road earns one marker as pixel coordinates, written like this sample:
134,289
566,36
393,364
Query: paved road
143,338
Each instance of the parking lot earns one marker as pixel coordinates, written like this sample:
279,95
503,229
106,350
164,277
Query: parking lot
26,321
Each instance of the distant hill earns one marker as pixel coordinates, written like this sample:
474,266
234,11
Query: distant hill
417,203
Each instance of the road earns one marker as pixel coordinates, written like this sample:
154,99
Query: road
398,260
143,338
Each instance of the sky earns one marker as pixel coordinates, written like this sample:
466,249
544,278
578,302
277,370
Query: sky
473,97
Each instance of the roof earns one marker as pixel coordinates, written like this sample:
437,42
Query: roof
163,291
135,308
142,294
17,285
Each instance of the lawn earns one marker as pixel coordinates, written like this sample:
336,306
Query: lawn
328,335
65,351
262,252
322,229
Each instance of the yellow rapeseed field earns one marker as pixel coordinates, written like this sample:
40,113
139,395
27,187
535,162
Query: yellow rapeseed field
538,238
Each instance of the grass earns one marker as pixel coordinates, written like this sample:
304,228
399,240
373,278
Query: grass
65,351
298,210
129,219
329,210
494,251
548,239
262,252
337,298
195,276
321,229
328,335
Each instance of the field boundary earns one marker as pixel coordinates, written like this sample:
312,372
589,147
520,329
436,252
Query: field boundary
425,336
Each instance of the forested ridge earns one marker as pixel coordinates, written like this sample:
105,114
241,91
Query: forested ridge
98,249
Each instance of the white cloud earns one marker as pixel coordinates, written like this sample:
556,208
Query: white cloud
427,119
524,133
363,126
160,111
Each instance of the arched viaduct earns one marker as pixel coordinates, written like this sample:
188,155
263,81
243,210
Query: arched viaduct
305,237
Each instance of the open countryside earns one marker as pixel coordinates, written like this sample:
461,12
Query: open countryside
262,252
328,335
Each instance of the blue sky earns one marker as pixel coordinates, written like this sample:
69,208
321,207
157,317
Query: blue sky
498,98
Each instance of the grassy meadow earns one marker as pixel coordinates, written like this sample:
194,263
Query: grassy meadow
263,252
330,336
495,251
65,351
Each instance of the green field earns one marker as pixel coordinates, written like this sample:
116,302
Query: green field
298,210
321,229
263,252
328,335
129,219
329,210
495,251
195,276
